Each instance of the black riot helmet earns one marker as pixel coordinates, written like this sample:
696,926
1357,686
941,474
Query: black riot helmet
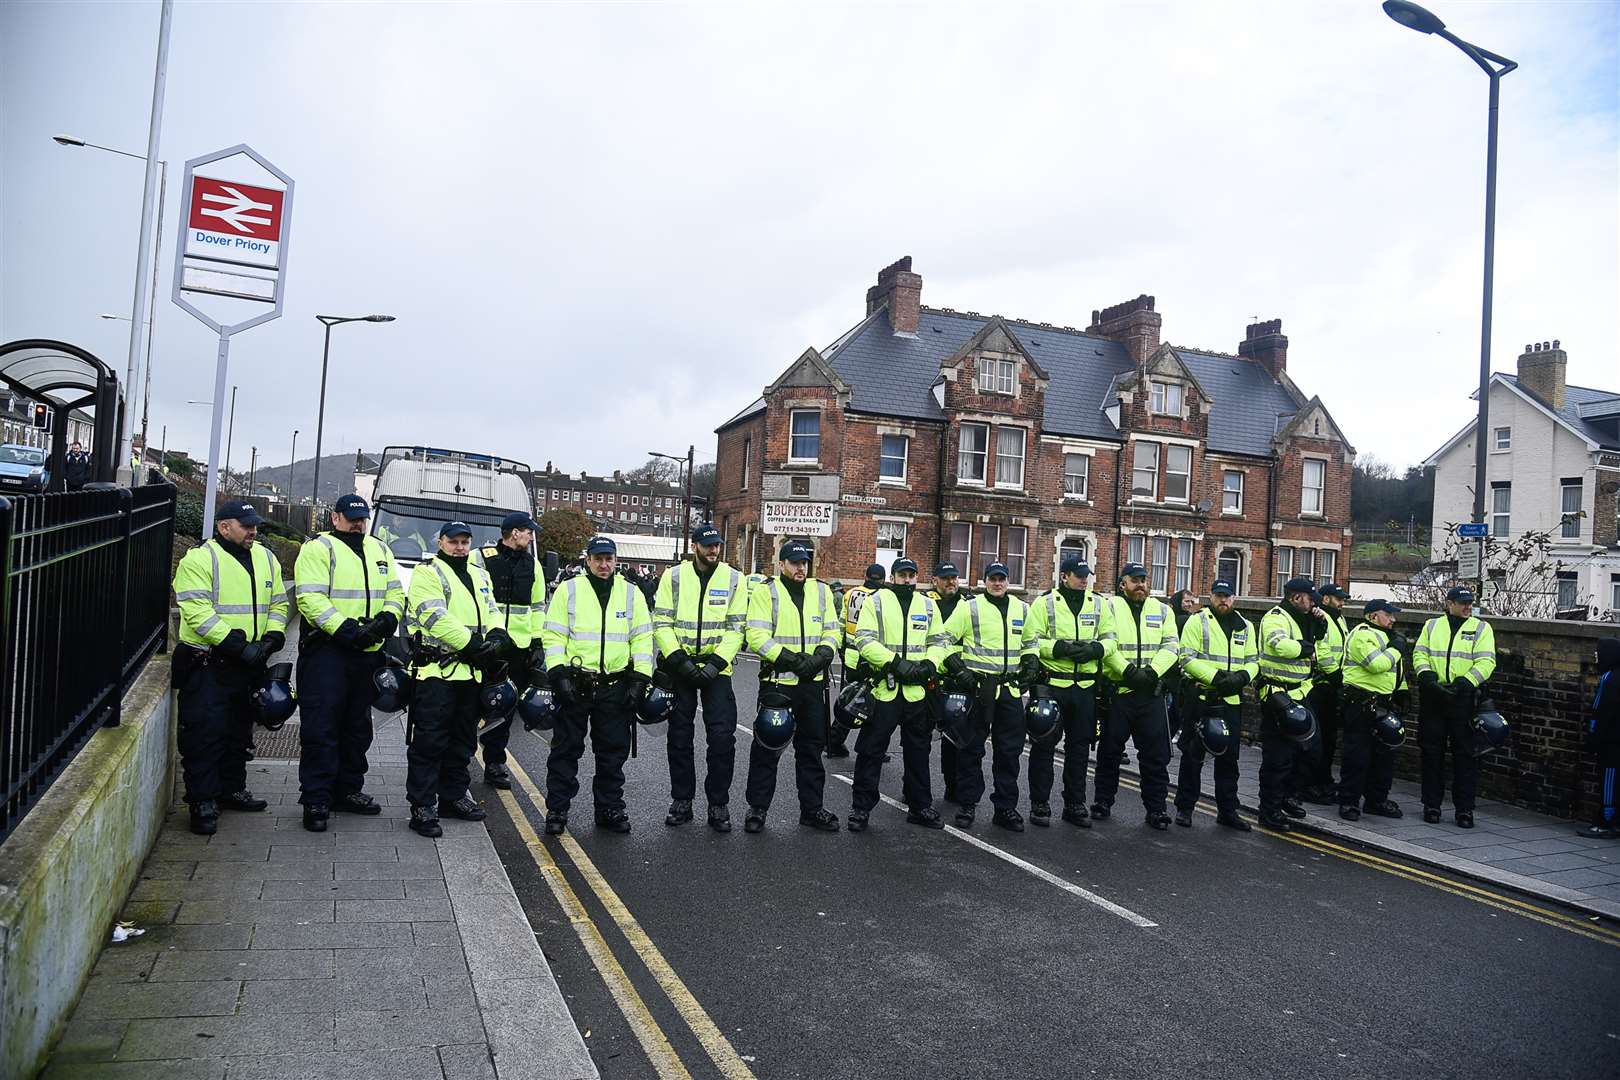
273,700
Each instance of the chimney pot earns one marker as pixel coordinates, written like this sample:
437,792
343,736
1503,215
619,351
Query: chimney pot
900,291
1264,343
1542,371
1133,324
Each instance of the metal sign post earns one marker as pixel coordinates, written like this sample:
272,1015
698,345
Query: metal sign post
232,244
1471,555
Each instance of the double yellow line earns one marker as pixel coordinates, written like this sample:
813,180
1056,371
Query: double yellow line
654,1042
1489,897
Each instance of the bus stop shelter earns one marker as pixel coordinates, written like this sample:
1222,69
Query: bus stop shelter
64,377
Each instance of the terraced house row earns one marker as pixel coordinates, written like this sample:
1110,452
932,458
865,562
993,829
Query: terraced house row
953,435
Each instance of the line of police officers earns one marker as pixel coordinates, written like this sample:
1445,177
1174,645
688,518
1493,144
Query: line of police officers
1098,667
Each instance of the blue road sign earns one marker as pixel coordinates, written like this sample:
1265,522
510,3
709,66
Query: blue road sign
1472,529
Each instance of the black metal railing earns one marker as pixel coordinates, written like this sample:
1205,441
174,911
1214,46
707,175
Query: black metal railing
84,604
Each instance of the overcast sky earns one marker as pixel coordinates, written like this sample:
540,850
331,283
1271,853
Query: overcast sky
603,228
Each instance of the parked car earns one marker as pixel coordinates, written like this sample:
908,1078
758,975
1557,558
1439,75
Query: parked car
22,468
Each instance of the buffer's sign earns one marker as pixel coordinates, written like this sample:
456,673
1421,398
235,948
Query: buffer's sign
235,222
797,518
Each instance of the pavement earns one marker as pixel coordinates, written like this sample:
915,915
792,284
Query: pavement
364,951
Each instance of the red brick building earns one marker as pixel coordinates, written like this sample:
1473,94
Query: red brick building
954,435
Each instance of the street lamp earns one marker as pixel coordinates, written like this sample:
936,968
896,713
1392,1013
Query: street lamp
290,463
157,248
1424,21
330,321
686,513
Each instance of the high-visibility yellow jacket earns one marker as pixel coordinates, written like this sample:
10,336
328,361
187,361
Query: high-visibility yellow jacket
1371,663
1470,655
885,633
520,596
991,642
1281,665
332,584
605,638
1145,637
1051,621
446,614
1207,650
218,595
1330,650
775,623
701,618
854,598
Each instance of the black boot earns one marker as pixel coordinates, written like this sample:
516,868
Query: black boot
680,812
1232,820
719,819
1099,812
1293,808
497,775
1431,815
316,815
463,808
1387,808
1465,819
205,818
1040,814
1350,813
1008,819
1158,819
357,802
555,823
1184,818
820,818
927,817
858,820
964,817
1275,820
1077,815
425,822
613,820
242,800
754,820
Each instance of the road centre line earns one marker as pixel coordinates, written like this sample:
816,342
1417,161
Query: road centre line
651,1037
1008,857
709,1036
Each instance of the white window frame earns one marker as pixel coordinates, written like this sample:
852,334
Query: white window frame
905,459
1170,449
961,556
748,447
1501,439
1023,440
1017,564
1227,490
1284,560
1570,519
1327,565
997,376
1160,395
1084,474
793,436
1183,565
1501,510
1306,488
1158,455
1614,592
1236,578
963,455
883,525
1568,585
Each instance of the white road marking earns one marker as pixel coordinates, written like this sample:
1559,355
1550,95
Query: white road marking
1008,857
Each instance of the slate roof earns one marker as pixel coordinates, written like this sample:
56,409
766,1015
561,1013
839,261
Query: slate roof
892,376
1604,434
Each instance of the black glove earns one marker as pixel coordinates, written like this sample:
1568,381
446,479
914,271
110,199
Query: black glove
1089,651
1402,699
1307,649
538,676
502,640
254,654
954,664
913,672
1240,679
475,641
347,634
1068,650
818,661
1029,670
234,643
1398,642
685,669
274,642
562,684
385,624
1460,685
1428,677
1140,678
1223,683
789,662
636,685
964,682
368,636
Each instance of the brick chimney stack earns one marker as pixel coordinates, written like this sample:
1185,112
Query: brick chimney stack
901,290
1542,370
1133,324
1265,344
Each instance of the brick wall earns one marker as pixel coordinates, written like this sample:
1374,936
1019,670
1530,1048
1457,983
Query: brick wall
1544,682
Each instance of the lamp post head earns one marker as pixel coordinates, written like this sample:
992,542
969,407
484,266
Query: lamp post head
1413,17
67,140
379,318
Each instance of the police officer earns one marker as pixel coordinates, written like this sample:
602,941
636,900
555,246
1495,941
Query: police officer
1070,628
598,640
520,593
233,618
698,619
350,601
1314,769
1219,657
1373,680
947,593
1288,636
853,601
457,634
793,626
1146,650
1454,655
986,634
901,637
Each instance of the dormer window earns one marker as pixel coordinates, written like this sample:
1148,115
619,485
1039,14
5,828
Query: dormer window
1165,398
997,376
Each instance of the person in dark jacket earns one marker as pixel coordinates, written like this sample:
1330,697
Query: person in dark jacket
76,469
1603,736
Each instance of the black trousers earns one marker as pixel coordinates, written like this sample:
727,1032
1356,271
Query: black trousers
335,693
1190,778
719,737
1369,765
215,728
1279,760
809,704
947,749
846,672
1314,766
1446,721
444,737
1005,714
1142,717
607,719
916,730
1077,705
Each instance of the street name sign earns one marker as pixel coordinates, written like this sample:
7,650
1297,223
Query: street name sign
1472,530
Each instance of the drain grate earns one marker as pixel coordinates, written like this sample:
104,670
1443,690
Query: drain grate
276,745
